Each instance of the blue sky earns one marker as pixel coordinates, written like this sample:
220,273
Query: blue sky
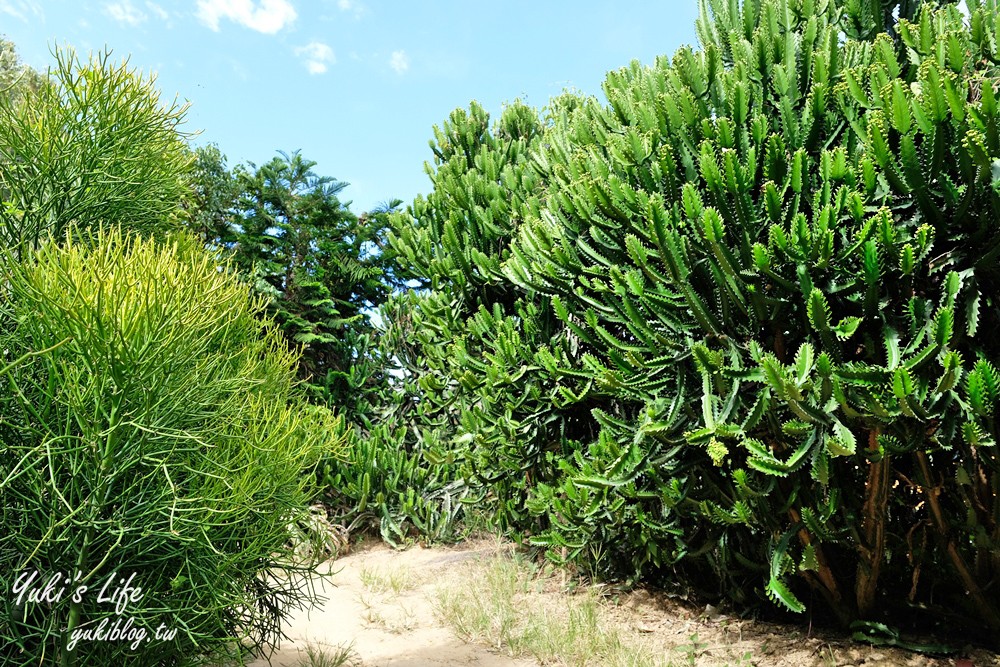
355,84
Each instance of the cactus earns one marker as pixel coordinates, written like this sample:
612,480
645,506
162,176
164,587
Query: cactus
794,231
733,328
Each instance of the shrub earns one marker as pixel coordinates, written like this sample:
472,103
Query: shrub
467,337
780,254
92,145
772,266
151,427
389,486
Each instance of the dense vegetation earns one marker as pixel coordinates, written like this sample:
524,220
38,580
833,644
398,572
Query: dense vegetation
150,429
319,267
153,431
91,144
732,330
729,331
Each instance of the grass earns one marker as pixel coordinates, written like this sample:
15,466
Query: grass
330,656
384,586
523,611
371,615
505,613
395,581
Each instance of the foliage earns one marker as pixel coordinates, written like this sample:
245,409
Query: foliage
473,346
733,329
777,251
383,486
16,78
94,145
322,271
211,198
151,427
319,266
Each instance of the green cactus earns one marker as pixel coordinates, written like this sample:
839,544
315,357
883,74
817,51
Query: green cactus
794,231
734,327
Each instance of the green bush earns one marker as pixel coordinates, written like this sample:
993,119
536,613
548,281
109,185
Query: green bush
151,427
780,253
92,144
389,486
772,266
466,339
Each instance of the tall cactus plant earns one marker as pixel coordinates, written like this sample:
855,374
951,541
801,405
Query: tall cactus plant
780,253
733,328
480,353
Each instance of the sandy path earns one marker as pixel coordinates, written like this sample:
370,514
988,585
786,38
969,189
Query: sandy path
380,602
387,628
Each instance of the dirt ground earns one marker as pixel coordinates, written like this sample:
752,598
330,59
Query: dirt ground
397,630
392,623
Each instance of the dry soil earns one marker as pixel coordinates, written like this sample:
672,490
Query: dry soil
397,627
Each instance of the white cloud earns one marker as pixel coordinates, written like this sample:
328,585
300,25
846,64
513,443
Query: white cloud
318,56
353,6
239,70
20,9
399,61
267,16
160,12
125,12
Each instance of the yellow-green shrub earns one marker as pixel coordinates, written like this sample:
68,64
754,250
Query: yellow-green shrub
93,144
150,425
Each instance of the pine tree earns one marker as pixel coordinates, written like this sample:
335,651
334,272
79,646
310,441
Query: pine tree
321,269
